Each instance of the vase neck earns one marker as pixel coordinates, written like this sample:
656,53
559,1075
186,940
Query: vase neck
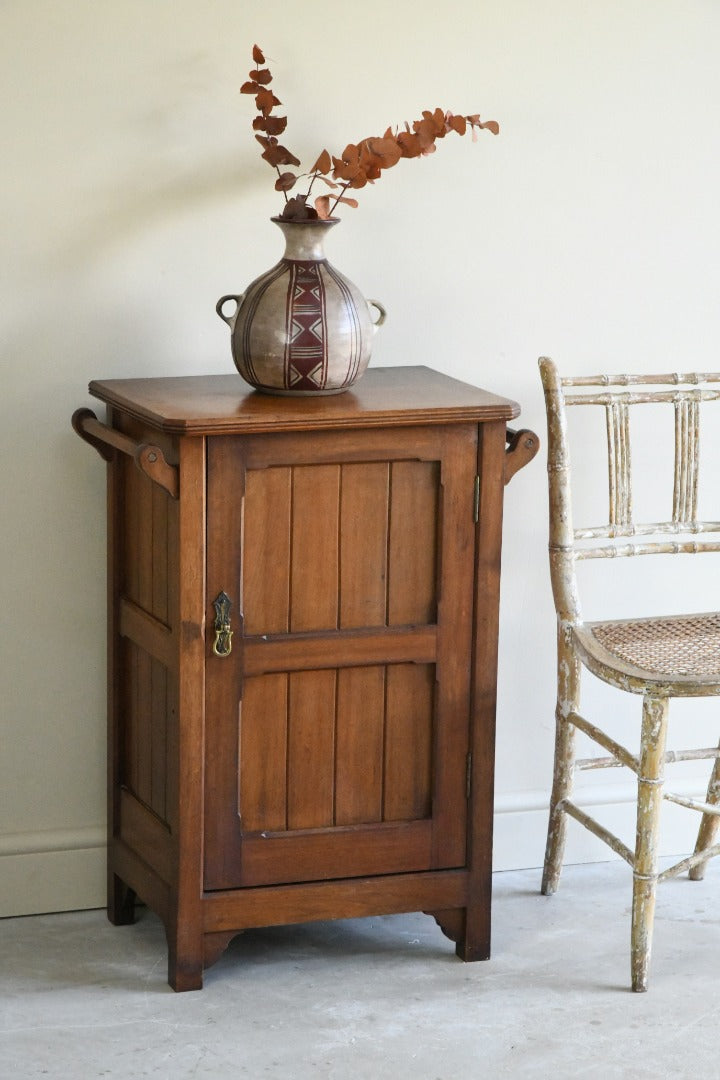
304,240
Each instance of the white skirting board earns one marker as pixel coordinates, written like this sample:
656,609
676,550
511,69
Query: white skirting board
520,826
52,870
64,869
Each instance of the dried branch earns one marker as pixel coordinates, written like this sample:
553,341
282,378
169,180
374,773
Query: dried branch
359,163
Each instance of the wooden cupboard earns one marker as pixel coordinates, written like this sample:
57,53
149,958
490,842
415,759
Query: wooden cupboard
303,617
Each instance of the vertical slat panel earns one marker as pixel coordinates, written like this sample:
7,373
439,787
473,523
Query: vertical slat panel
143,730
408,742
131,529
311,749
144,496
159,738
263,753
129,713
314,588
159,553
363,544
266,551
359,741
412,584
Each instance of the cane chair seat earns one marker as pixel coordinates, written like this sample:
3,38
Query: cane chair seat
679,653
658,657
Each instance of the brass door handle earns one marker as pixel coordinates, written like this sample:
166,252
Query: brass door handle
222,645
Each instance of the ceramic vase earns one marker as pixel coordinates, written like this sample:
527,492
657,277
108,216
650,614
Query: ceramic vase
301,328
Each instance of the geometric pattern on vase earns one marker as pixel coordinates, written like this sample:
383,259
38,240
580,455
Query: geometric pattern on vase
305,328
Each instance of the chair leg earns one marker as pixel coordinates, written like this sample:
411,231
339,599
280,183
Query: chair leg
650,782
564,768
709,824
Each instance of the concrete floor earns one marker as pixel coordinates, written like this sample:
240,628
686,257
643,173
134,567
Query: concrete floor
376,998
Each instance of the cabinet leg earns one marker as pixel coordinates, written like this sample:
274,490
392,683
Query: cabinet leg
469,928
475,941
121,902
185,961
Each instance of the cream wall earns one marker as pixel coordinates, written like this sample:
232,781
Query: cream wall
134,196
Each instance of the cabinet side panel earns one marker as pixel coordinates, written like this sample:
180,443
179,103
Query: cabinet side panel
413,548
359,756
158,747
263,753
160,569
363,544
144,577
128,715
143,727
144,706
266,550
147,566
407,789
311,749
314,588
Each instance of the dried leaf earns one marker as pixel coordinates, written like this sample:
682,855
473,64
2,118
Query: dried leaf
351,154
249,88
457,123
348,201
410,145
322,205
257,55
275,154
383,152
275,125
425,131
325,180
348,167
490,125
296,209
286,181
323,163
262,76
265,100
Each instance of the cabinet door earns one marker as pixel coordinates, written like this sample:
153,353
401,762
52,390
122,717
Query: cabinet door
337,728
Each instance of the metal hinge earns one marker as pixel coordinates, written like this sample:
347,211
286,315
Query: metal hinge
468,776
476,500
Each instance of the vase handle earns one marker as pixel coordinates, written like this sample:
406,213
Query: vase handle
219,306
382,316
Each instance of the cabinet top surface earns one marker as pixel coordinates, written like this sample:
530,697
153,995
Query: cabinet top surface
217,404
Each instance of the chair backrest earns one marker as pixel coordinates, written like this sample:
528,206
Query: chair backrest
683,532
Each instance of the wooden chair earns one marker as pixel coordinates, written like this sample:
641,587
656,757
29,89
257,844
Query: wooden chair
657,657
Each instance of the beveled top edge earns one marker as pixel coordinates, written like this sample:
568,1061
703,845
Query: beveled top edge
225,404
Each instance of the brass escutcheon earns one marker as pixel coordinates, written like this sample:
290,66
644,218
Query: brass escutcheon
222,645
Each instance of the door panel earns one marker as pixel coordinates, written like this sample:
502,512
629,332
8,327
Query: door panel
364,512
337,729
413,549
409,710
311,749
315,548
266,544
359,754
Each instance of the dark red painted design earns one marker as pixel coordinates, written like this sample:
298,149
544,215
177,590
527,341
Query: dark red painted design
306,352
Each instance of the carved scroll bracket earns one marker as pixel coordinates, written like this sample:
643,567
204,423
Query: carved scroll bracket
522,447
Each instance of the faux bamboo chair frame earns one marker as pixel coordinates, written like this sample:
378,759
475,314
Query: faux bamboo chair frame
658,658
